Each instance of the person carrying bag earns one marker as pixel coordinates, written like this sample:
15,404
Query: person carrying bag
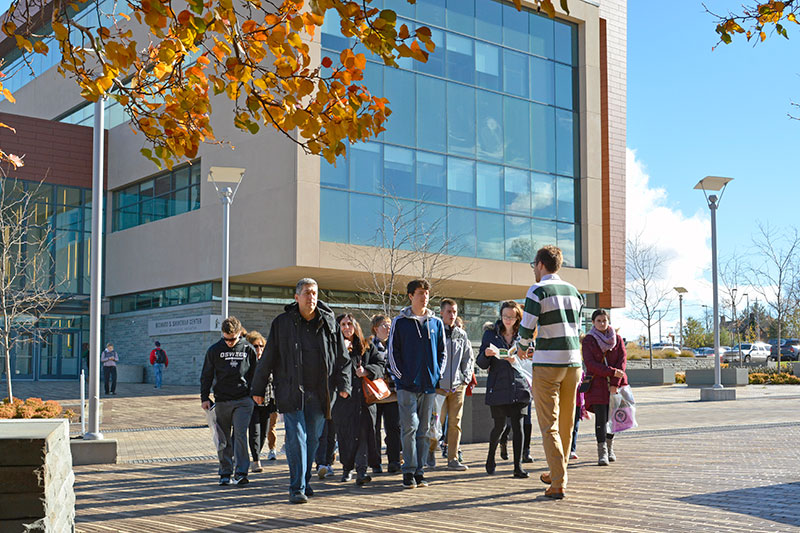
605,359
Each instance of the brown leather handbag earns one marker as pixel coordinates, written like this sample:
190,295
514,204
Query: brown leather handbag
374,390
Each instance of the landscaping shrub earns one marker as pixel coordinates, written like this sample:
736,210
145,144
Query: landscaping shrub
773,378
33,408
680,377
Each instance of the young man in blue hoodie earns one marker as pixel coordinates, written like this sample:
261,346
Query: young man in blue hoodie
416,359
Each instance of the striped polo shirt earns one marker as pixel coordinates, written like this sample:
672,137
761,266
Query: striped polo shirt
554,307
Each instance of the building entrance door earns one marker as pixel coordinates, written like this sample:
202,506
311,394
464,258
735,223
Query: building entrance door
59,355
21,360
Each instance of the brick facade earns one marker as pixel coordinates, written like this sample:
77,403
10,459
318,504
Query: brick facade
59,153
613,83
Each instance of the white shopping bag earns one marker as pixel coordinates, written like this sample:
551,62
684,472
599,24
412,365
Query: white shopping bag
435,428
621,411
217,435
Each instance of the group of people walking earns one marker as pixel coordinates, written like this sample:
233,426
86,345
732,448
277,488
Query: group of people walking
313,368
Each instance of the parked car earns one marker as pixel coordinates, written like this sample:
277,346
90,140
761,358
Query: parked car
666,347
790,350
704,352
751,352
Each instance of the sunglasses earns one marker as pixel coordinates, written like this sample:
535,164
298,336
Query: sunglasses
230,339
258,346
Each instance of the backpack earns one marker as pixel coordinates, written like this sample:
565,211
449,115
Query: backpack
161,356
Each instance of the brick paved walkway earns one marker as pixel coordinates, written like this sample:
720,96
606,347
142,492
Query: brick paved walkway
691,466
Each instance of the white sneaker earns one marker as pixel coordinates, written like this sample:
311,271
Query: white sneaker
456,465
322,471
256,466
271,455
573,455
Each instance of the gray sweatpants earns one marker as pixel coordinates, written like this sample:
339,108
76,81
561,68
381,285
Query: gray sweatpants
234,415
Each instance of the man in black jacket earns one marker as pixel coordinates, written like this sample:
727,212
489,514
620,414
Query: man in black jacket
306,354
229,365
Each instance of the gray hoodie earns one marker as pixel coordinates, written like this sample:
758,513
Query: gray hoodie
460,361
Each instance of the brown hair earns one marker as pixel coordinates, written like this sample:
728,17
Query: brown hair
231,325
599,312
550,256
254,336
511,304
377,320
447,301
357,342
415,284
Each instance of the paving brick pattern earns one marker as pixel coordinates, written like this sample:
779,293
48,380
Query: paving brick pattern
690,466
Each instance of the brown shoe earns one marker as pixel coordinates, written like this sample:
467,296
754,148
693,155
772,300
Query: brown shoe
545,478
555,494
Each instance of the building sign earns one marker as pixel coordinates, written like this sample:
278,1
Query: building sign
187,324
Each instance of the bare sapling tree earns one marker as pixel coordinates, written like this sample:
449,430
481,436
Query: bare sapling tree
648,296
411,242
775,274
732,274
27,290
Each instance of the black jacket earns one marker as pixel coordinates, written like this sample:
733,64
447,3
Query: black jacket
504,385
283,359
348,412
229,370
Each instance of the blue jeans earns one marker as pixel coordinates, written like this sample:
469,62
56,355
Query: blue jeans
303,429
415,409
158,370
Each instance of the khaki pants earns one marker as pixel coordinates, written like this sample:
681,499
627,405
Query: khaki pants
453,409
554,389
272,434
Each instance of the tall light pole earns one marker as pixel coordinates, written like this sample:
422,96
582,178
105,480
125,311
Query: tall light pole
735,322
218,175
96,269
681,291
714,183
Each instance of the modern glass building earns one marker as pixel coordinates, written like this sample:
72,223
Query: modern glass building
510,137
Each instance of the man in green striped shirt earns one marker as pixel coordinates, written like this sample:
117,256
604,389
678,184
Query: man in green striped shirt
552,315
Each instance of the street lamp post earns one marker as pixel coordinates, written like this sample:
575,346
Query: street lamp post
735,322
218,175
715,183
681,291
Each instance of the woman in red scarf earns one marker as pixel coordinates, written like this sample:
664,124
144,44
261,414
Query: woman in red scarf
605,358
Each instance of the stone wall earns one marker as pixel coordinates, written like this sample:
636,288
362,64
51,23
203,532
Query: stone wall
680,363
36,478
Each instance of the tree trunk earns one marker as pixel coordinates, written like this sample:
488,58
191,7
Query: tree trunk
779,344
8,373
650,345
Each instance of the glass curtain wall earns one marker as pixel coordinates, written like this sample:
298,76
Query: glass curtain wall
483,137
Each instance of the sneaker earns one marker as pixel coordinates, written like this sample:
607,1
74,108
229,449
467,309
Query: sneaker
430,464
322,471
377,469
457,465
240,479
330,473
393,468
224,480
347,476
573,455
363,480
408,481
271,456
421,481
298,497
256,467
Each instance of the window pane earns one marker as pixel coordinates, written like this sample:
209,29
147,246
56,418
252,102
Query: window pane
435,64
490,186
400,125
460,182
490,15
517,132
517,191
194,197
461,16
398,171
490,126
335,176
200,293
567,243
163,184
487,66
332,32
543,138
565,143
515,73
333,220
182,177
460,119
181,202
177,296
565,91
541,35
515,27
460,58
566,199
366,161
431,117
67,258
431,176
544,233
542,80
431,12
160,207
146,189
490,236
399,224
461,235
566,47
403,9
68,196
367,210
431,228
544,195
519,246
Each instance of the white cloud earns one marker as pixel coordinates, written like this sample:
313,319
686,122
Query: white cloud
683,241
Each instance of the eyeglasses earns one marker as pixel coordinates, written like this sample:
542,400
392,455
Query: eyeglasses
506,317
258,346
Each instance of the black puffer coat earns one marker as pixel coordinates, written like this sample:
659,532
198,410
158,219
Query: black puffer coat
348,411
504,385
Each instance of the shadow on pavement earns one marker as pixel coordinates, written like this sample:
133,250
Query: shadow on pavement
772,502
